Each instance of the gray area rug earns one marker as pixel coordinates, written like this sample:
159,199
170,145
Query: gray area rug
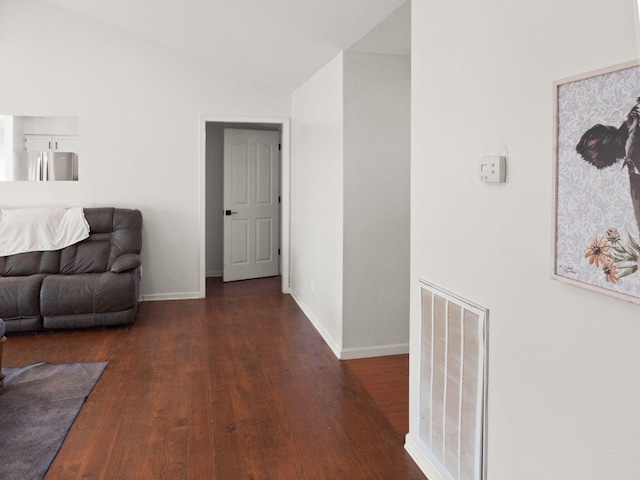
38,405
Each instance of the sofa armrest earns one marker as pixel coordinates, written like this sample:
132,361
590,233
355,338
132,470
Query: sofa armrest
2,340
126,262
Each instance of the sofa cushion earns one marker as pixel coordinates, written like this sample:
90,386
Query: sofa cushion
88,293
20,296
114,232
89,256
30,263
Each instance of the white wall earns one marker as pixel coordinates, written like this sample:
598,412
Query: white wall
564,387
317,200
139,107
350,203
377,96
6,145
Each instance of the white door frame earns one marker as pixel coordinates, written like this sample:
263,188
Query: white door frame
285,189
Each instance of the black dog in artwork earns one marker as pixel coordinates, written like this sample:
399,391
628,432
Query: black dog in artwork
603,146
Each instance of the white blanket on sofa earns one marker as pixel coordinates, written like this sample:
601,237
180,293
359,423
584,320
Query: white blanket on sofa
37,229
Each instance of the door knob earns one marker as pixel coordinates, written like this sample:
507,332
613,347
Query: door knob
229,212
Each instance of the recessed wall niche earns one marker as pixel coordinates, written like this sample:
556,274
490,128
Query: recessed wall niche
38,149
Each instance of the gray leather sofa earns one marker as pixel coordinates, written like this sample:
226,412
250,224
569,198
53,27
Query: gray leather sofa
92,283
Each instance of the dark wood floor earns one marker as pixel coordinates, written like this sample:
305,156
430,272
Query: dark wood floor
235,386
386,380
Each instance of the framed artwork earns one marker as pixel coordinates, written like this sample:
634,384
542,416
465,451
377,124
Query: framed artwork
596,197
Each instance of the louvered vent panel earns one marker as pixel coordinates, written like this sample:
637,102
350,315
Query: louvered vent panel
453,384
425,377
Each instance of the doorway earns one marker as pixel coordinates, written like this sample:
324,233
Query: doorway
212,190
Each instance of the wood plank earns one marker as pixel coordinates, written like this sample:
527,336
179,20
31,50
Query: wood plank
235,386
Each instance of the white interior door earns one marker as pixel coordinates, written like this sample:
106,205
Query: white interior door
251,202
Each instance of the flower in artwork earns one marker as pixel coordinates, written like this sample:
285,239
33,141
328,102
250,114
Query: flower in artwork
612,235
597,251
615,259
610,270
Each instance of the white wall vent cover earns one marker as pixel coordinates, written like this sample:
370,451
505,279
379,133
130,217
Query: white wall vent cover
453,381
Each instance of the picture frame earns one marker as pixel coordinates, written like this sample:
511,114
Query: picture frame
596,183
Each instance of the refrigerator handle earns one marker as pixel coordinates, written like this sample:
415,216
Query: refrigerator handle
45,166
39,168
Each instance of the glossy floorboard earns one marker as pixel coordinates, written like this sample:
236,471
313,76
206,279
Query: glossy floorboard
235,386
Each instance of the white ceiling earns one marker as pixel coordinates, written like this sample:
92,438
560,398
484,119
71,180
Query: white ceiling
281,42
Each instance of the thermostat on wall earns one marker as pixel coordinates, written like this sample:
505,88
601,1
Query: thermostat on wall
493,169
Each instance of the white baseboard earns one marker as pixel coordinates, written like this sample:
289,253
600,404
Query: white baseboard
431,471
374,351
155,297
214,273
318,326
349,353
